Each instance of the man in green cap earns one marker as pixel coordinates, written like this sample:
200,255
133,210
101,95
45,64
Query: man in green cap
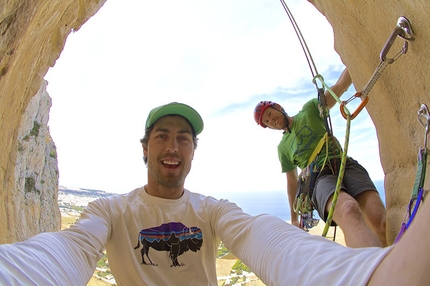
163,234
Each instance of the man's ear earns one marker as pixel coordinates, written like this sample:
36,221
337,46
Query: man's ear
145,150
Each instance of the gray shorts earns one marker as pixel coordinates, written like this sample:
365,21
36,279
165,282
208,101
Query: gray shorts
355,181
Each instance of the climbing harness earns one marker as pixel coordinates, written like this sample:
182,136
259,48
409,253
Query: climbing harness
302,203
403,31
417,196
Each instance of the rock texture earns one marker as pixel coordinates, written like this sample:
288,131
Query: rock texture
34,198
33,34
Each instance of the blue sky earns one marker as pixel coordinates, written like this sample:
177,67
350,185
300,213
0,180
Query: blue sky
221,57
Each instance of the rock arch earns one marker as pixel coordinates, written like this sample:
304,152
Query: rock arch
33,35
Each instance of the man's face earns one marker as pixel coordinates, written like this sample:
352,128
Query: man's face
273,118
170,151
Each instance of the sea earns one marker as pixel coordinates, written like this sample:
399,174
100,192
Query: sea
273,202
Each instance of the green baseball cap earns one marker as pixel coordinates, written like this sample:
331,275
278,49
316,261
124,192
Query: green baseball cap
176,108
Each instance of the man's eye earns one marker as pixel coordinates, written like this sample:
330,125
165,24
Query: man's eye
184,138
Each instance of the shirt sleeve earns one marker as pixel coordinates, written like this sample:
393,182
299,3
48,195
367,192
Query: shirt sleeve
67,257
282,254
286,163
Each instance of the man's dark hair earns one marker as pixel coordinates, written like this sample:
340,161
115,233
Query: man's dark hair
145,139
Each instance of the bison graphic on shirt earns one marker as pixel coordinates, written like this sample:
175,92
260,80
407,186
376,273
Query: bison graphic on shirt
173,237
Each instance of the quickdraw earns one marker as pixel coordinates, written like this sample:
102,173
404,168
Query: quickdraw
402,30
417,196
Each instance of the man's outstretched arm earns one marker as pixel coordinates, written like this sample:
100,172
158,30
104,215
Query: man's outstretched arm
338,88
409,260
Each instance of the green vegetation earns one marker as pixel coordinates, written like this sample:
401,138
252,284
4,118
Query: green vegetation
77,208
103,273
35,130
239,267
222,250
30,185
20,147
103,262
53,154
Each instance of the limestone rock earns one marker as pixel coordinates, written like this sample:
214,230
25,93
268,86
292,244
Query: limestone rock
33,34
34,197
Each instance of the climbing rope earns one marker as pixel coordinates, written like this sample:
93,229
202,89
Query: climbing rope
417,196
344,157
301,40
302,204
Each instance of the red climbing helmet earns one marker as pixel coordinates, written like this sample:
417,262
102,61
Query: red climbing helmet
259,110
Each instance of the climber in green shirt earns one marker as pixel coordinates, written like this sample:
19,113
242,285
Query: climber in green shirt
359,210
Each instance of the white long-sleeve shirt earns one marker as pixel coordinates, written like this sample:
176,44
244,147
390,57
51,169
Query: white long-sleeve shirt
155,241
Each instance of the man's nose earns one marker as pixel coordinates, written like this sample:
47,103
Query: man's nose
172,145
273,119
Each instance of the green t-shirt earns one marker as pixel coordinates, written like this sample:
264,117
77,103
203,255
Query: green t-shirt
307,130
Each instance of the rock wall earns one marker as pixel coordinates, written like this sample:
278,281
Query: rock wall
33,34
34,198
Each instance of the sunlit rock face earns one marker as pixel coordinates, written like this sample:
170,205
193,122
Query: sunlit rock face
33,34
36,172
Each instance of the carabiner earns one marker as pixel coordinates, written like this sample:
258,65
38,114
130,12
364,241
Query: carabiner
424,112
403,30
359,108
